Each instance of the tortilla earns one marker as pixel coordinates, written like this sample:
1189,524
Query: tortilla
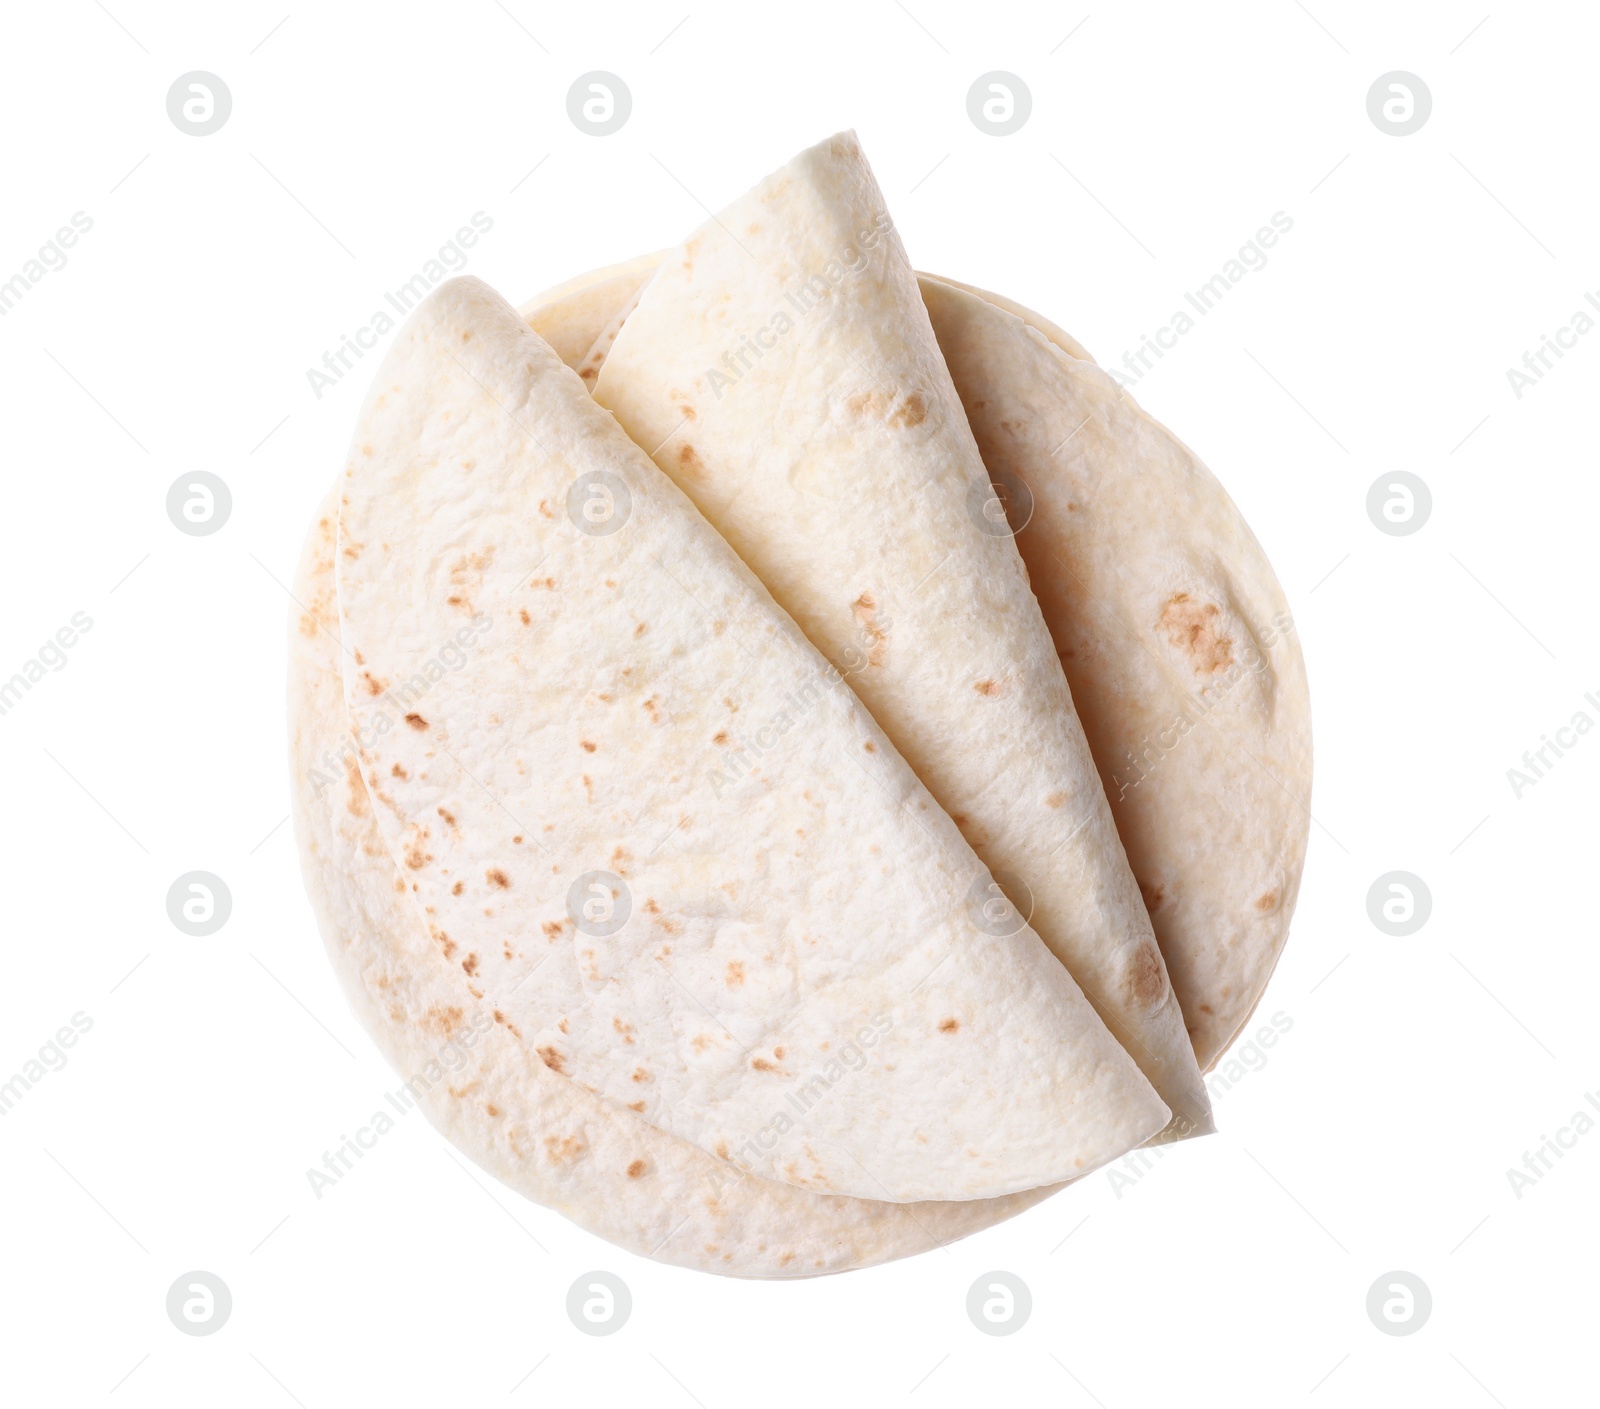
1177,641
486,1090
572,722
1198,865
780,367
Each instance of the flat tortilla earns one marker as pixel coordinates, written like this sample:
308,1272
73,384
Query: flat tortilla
781,368
643,818
1176,638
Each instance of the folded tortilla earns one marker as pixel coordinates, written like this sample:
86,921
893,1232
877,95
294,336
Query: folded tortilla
648,824
781,368
485,1088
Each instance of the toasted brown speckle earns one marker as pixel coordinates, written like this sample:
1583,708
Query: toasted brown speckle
1145,979
1191,627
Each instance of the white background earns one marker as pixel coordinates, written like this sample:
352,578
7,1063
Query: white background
176,339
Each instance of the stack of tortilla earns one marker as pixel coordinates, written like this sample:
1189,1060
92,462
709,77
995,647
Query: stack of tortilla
791,764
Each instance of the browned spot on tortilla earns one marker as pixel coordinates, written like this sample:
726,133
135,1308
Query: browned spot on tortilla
950,1025
553,1059
449,819
445,943
1267,901
640,629
762,1064
416,721
358,790
417,855
496,877
640,1074
563,1149
1145,980
651,908
913,411
635,1105
688,459
526,619
987,687
864,609
491,1110
870,747
689,413
720,737
444,1020
650,707
1192,628
470,965
553,928
1206,1008
735,977
1152,893
398,772
374,687
458,887
1054,800
636,1169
